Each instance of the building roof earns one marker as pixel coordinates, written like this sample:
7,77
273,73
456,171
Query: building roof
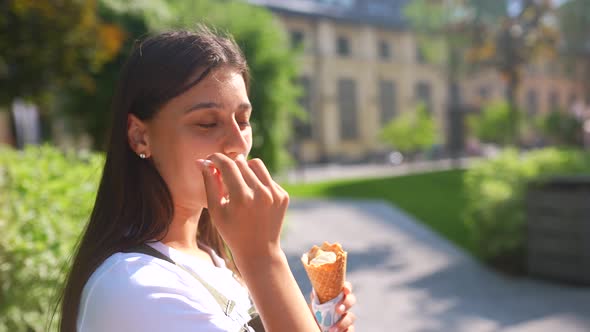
384,13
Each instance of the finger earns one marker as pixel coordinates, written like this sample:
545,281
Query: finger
251,179
281,195
230,175
280,189
345,322
261,172
213,184
347,288
346,303
348,300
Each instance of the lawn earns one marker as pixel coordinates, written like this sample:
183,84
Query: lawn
436,198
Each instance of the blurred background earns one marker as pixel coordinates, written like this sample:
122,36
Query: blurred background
444,143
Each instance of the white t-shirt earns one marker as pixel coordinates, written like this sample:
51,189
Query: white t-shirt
136,292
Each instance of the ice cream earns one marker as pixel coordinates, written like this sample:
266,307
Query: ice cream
322,257
326,269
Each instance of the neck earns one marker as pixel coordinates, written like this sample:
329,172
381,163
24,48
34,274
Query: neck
182,233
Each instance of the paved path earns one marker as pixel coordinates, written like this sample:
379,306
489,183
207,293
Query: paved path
318,173
408,279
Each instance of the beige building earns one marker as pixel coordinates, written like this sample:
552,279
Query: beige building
358,74
361,66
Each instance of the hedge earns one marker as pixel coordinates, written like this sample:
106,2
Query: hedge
45,199
495,192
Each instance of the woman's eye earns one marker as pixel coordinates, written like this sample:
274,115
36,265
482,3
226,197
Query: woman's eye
244,123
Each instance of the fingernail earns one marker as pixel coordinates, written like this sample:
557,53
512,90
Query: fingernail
342,308
205,162
240,157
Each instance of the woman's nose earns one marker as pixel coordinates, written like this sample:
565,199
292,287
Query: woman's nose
235,141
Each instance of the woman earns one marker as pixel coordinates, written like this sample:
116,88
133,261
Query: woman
175,183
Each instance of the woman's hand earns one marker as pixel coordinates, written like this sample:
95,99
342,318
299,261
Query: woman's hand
246,206
343,308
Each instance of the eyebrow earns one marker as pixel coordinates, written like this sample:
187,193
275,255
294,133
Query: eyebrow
209,105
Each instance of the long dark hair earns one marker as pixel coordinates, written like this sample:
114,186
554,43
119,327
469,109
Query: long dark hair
133,204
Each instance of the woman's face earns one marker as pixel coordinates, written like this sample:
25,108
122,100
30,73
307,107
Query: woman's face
213,116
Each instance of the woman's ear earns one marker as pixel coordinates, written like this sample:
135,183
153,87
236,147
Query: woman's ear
137,136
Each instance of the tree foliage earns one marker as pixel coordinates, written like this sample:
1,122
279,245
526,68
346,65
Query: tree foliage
89,111
50,44
561,128
504,35
574,22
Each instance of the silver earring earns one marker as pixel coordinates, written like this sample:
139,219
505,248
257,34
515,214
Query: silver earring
142,155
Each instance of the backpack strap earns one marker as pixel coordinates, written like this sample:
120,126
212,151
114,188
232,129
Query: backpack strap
255,321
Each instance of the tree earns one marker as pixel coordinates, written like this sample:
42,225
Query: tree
574,19
499,34
88,110
443,35
410,132
46,46
530,33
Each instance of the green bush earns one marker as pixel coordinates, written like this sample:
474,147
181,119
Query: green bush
495,193
494,124
561,128
45,199
411,132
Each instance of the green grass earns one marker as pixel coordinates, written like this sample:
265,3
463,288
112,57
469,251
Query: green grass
436,198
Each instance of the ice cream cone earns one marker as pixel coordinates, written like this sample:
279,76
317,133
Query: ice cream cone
326,279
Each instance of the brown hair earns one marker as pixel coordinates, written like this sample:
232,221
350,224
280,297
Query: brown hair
133,204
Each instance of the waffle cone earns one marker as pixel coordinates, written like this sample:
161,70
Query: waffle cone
327,279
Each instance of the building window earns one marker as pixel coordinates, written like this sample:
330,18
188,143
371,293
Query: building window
532,102
343,46
384,50
531,69
572,99
484,92
347,105
420,58
552,68
424,94
553,101
297,39
387,101
303,127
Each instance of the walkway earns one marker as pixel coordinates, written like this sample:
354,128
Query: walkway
408,279
326,172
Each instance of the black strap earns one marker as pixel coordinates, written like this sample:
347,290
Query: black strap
226,305
256,323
